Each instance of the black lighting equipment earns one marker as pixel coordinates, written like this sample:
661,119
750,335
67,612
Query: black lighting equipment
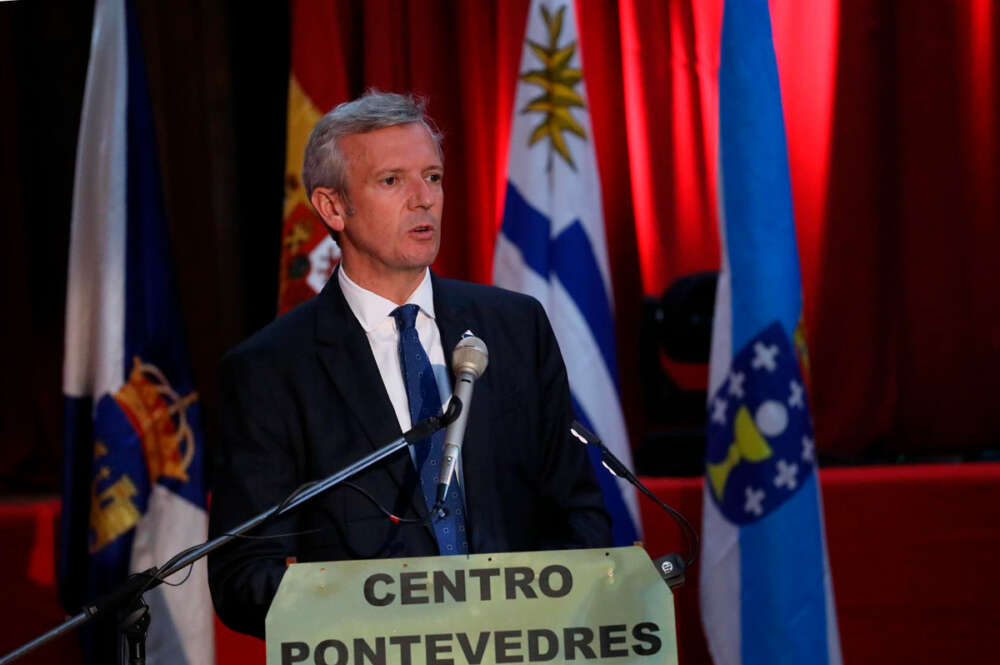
675,335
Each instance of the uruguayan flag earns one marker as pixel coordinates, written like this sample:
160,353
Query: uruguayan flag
552,245
134,490
766,592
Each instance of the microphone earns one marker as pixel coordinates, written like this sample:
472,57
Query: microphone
468,362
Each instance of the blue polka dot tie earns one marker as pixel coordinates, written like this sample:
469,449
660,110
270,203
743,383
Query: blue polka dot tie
425,401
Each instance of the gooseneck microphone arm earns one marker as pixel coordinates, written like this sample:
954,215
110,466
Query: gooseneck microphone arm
671,566
129,593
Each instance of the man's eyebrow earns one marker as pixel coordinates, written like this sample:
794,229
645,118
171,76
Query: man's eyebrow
396,170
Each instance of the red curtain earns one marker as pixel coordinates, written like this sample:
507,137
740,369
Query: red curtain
889,530
891,112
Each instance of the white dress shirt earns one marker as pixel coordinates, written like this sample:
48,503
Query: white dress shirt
374,313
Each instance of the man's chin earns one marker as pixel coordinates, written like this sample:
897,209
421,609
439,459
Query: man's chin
422,256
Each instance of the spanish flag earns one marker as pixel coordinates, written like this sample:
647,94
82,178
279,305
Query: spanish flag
316,83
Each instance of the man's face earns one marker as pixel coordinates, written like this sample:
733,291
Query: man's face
394,183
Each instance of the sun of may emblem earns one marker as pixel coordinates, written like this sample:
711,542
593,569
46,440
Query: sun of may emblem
557,81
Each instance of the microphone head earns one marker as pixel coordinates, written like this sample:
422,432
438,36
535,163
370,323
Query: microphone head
470,356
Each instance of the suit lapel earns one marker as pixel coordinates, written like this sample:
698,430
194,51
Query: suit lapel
346,355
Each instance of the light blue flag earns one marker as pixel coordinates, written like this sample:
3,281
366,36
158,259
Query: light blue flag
766,590
552,244
134,484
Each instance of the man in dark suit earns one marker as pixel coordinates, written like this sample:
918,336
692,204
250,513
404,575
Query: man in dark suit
343,374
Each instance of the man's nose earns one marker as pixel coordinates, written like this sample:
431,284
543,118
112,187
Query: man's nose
421,194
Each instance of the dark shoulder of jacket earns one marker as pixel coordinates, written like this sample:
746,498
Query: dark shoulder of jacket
485,296
287,335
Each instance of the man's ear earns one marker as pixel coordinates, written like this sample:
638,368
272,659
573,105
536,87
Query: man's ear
330,207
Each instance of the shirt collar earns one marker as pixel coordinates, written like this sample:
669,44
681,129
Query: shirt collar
371,309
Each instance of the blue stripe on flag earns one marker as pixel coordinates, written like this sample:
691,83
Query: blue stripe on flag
574,262
527,229
757,198
623,531
570,256
781,565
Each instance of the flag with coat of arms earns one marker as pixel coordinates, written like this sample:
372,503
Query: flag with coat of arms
552,244
134,483
316,84
766,589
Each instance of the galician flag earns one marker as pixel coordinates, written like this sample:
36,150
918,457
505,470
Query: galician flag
552,244
134,485
766,590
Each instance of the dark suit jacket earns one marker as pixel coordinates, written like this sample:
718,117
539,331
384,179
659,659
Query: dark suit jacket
303,398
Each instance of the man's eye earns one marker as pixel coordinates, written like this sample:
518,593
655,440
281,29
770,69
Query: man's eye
434,177
390,180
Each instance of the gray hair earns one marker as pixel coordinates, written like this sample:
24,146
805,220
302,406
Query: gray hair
325,164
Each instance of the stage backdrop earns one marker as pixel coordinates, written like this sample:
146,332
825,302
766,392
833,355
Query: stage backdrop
891,112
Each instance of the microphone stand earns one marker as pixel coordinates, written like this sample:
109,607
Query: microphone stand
129,594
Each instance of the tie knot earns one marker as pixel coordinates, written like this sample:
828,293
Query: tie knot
406,316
